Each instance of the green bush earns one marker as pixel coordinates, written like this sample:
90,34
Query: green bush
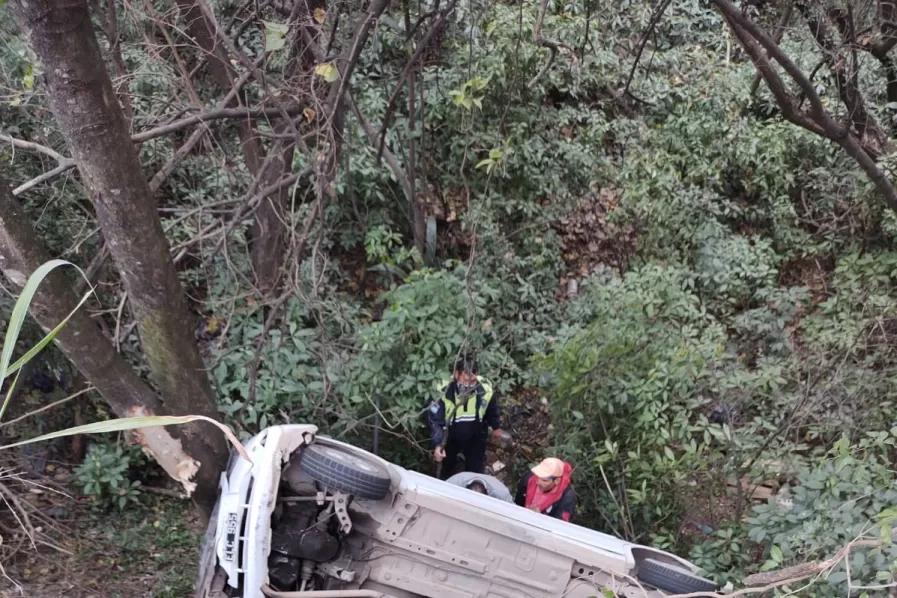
106,475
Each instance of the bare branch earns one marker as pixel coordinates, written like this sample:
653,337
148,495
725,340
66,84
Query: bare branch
776,86
33,147
874,140
652,23
553,46
362,32
777,37
437,26
391,160
819,120
790,575
734,15
63,166
215,114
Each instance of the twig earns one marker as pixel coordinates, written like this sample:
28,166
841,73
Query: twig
194,139
391,159
17,509
63,166
121,307
789,575
164,492
553,46
48,407
63,163
214,114
643,41
437,26
33,147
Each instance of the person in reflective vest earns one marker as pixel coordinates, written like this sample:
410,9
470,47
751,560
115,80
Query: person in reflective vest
460,419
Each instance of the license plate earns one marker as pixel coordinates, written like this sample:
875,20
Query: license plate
230,537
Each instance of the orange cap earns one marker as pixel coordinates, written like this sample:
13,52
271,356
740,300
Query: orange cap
549,468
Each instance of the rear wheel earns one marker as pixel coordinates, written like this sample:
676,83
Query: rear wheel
670,578
345,471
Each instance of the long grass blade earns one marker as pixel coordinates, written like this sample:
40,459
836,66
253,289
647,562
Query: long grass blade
17,319
132,423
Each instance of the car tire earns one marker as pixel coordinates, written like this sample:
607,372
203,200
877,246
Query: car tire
345,471
670,578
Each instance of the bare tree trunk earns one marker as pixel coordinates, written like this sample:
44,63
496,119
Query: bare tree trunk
82,100
266,238
82,342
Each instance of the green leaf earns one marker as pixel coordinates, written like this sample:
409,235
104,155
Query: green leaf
482,163
275,35
776,553
28,79
17,319
327,71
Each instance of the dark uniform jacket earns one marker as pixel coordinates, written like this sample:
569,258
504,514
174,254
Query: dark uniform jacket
466,418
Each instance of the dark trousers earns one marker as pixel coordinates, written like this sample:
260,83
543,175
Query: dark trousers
474,451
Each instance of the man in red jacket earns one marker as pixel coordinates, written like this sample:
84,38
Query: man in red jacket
546,489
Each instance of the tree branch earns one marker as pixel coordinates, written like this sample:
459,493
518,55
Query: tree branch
437,26
63,166
362,32
735,16
33,147
652,23
391,160
553,46
777,37
818,120
790,575
874,140
214,114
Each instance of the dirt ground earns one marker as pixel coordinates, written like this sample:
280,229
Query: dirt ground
148,550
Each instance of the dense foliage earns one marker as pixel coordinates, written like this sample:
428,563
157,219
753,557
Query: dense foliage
704,292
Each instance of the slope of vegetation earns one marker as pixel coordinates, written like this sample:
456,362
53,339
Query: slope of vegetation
598,197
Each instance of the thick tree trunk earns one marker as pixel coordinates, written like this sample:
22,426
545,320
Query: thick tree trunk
82,100
21,253
266,247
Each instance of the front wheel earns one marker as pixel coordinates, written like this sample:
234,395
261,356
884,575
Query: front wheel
676,580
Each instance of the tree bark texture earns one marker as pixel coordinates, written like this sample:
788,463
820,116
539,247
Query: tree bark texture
82,342
82,100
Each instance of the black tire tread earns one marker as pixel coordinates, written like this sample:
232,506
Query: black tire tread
670,578
321,466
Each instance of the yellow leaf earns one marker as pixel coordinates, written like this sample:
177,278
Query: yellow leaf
327,71
320,15
309,114
155,524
